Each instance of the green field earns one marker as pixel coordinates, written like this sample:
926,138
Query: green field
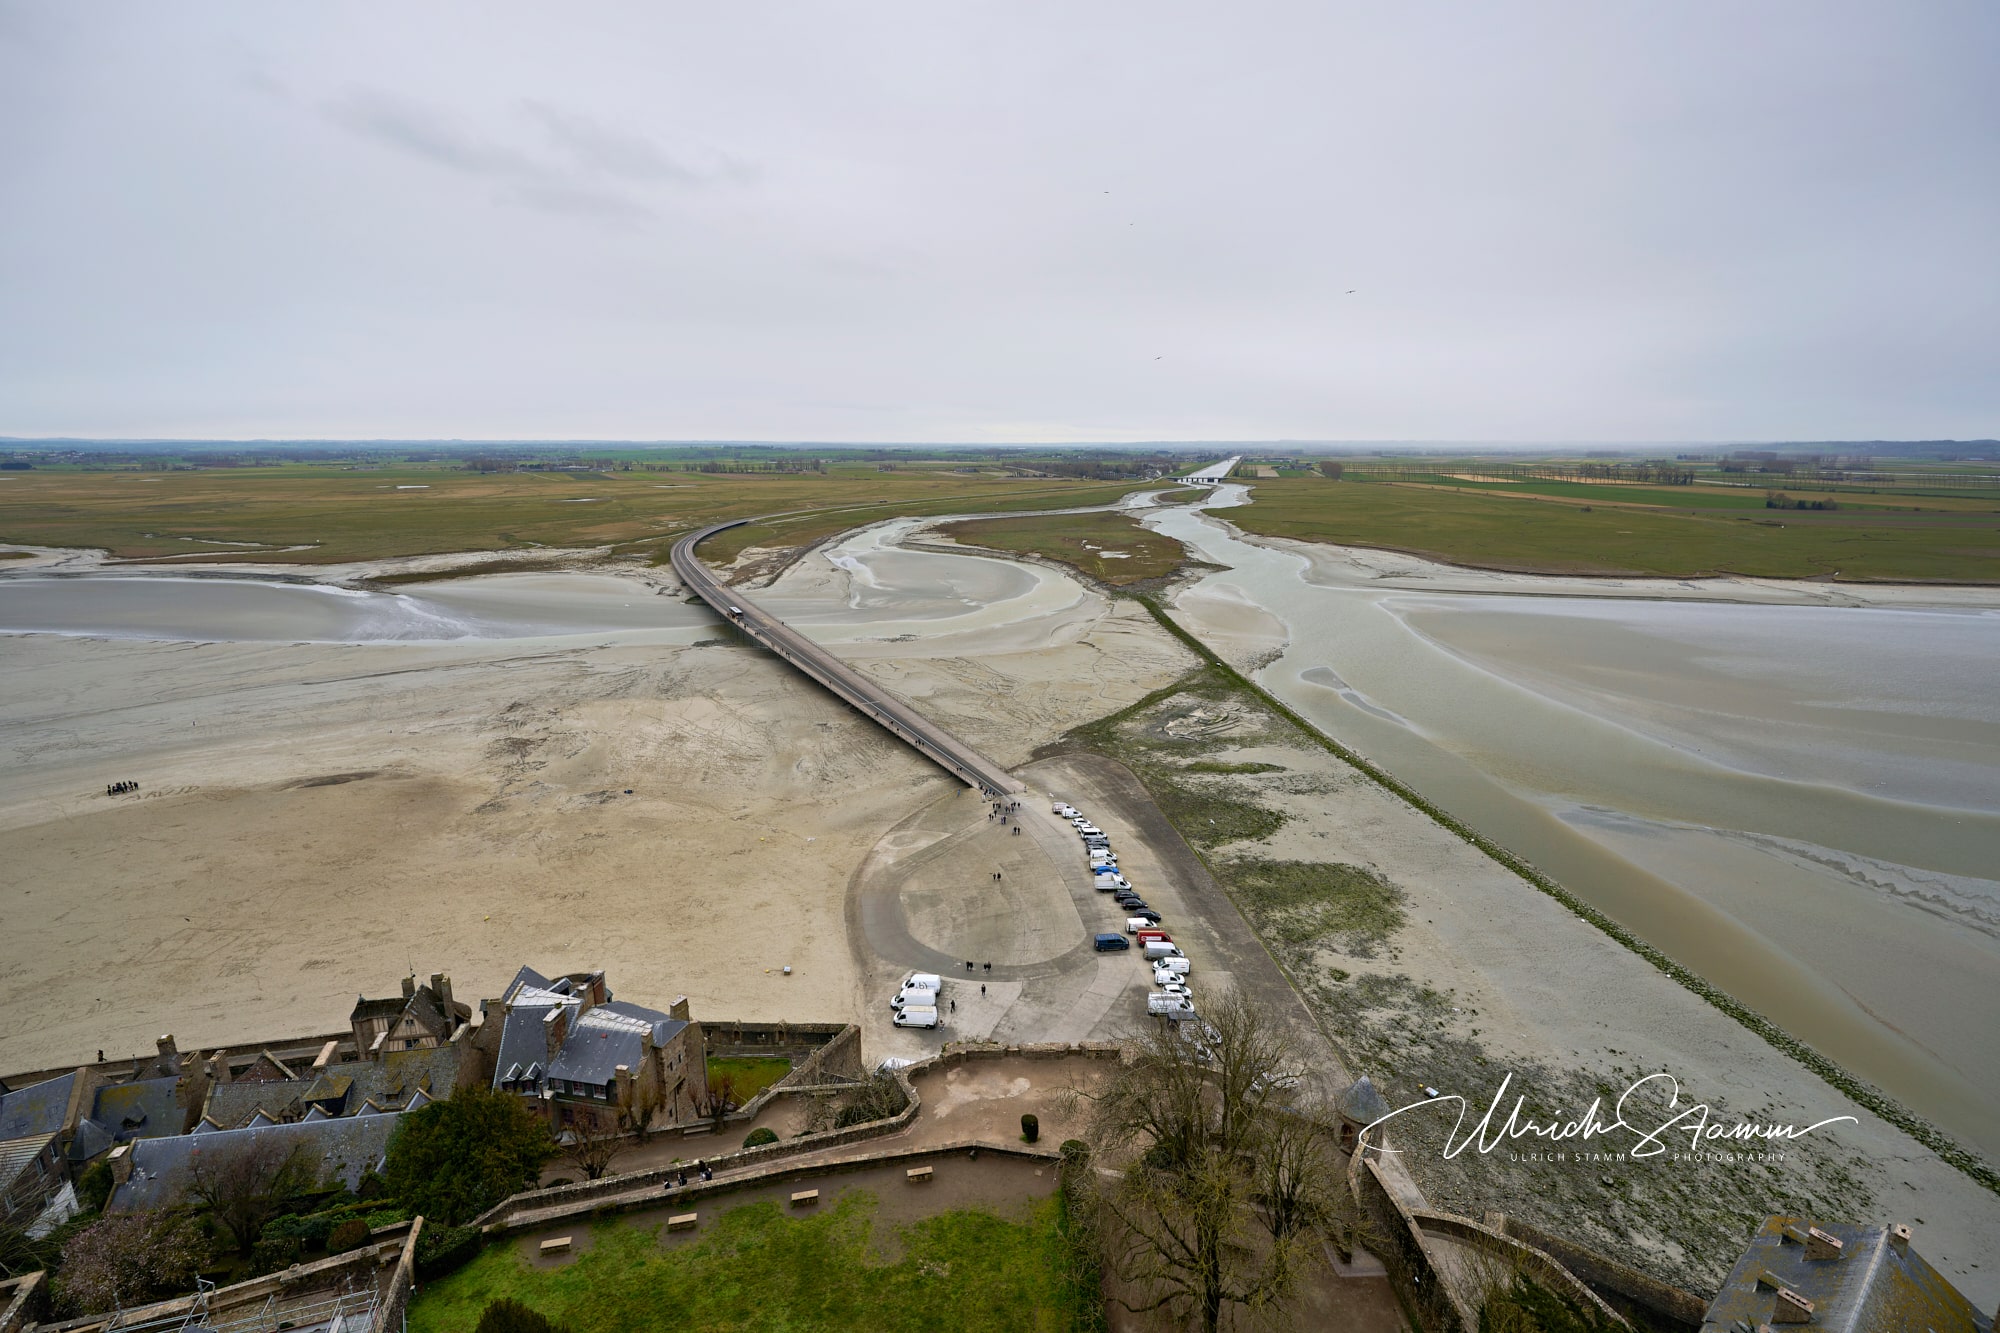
343,513
1110,547
747,1075
1674,531
760,1269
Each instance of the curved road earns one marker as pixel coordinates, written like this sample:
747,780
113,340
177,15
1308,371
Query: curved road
905,723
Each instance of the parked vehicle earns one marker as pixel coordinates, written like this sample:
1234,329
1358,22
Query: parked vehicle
1087,829
1146,913
1179,988
1127,898
910,995
1135,924
1110,943
1147,931
1109,880
1175,1007
1107,884
1063,808
1160,949
1177,966
917,1016
923,981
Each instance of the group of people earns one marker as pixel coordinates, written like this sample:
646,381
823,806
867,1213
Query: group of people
700,1166
120,788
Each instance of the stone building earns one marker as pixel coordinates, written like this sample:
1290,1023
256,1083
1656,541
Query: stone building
1840,1277
422,1017
585,1058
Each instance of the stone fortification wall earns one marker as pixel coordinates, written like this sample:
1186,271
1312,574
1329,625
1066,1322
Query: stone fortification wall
1657,1304
797,1041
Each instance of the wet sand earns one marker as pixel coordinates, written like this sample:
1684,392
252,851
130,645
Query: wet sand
1799,799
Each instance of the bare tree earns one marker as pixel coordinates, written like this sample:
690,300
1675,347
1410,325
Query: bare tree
1220,1180
593,1145
243,1186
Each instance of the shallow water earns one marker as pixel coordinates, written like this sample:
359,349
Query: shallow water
1801,803
500,606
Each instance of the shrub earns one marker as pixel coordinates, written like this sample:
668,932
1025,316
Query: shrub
760,1136
442,1249
507,1315
352,1232
93,1187
306,1228
1031,1128
270,1253
126,1258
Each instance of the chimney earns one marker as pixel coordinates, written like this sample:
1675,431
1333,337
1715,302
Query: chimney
623,1075
170,1057
220,1059
441,987
121,1164
680,1010
1821,1245
325,1057
1899,1238
555,1026
410,986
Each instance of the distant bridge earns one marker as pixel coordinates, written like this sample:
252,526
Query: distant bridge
925,737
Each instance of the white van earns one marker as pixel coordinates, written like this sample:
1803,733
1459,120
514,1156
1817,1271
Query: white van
1157,949
1176,1007
923,981
1177,966
1063,808
922,1016
910,995
1135,924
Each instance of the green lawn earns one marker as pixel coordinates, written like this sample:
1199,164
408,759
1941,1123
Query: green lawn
748,1075
1511,528
1110,547
760,1269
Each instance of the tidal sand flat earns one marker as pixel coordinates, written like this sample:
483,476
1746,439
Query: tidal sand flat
1800,800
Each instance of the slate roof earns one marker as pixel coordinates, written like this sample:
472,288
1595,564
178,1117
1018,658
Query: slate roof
344,1150
16,1154
122,1111
1361,1103
612,1034
528,997
36,1111
1878,1284
389,1082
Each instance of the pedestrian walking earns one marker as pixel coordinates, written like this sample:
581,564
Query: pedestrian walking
982,988
989,967
954,1006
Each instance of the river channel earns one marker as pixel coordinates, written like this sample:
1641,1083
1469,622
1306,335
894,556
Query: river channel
1799,802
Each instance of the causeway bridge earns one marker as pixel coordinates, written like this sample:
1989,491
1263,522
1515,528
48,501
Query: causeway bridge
905,723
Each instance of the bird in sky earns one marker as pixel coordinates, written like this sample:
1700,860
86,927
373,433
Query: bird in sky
1352,290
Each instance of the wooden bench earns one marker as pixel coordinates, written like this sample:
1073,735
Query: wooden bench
557,1244
803,1198
682,1221
917,1174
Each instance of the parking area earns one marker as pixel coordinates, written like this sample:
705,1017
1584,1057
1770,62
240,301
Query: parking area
927,899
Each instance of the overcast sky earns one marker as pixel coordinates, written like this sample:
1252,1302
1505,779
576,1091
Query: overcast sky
1001,222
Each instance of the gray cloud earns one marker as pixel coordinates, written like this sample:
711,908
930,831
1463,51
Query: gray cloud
1327,219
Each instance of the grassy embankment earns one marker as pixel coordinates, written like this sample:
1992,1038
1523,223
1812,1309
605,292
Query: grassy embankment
1110,547
761,1269
747,1075
1670,531
345,514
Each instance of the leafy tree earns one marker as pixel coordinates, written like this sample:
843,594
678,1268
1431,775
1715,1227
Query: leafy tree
877,1099
1526,1306
760,1136
1330,470
128,1257
508,1315
454,1159
243,1186
1227,1181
